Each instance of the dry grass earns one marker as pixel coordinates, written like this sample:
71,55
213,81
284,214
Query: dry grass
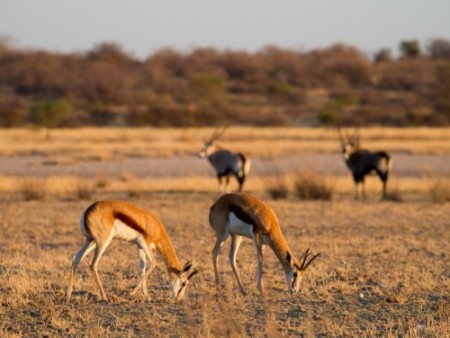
277,186
309,185
383,269
440,189
108,143
377,275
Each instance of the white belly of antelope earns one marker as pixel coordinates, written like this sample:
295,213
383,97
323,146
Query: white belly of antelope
239,227
124,232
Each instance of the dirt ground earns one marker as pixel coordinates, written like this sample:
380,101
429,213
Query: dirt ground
405,165
384,268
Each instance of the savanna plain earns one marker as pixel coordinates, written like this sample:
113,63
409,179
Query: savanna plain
384,268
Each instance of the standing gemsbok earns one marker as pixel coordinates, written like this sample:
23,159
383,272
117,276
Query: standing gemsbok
105,220
362,162
225,162
239,215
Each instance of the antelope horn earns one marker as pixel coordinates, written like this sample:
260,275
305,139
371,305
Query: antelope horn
311,260
304,256
218,133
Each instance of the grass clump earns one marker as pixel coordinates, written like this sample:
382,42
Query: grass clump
277,187
84,189
308,185
33,189
440,189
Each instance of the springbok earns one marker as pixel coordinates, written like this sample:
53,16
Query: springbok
243,215
225,162
362,162
105,220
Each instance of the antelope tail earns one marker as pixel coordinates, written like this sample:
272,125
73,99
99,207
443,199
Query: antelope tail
245,168
386,163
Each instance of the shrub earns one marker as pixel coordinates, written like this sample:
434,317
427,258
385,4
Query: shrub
439,48
277,187
311,186
440,189
84,190
32,189
50,113
410,48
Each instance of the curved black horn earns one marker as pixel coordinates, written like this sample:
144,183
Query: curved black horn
311,260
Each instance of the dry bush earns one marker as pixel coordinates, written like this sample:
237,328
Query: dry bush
440,189
84,189
394,192
32,189
277,187
309,185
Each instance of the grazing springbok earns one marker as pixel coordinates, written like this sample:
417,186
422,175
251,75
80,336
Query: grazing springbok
243,215
225,162
362,162
105,220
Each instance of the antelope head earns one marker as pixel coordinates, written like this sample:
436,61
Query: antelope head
208,145
296,273
349,144
181,279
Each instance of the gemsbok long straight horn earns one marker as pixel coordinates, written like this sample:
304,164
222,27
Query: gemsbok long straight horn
244,215
363,162
225,162
106,220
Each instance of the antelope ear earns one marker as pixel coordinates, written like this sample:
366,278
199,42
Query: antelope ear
192,274
187,266
288,257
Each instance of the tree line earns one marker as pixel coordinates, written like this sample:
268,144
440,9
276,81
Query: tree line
337,85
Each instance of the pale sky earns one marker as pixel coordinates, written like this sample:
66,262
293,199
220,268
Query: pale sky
142,27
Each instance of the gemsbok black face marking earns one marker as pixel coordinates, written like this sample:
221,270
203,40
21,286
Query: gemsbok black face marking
225,162
362,162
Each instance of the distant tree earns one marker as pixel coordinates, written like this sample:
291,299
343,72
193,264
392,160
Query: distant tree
207,90
439,48
383,55
410,48
443,89
109,52
13,111
50,114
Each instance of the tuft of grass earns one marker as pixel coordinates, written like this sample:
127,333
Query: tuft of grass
440,189
33,189
393,193
84,189
308,185
277,187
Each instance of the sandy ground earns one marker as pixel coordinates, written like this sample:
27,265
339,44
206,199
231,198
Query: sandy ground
179,166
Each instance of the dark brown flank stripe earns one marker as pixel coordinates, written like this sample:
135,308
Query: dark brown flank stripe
129,221
241,214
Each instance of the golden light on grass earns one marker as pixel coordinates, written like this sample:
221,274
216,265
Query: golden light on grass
107,143
383,268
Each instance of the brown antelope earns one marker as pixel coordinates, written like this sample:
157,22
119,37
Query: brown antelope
106,220
362,162
243,215
226,163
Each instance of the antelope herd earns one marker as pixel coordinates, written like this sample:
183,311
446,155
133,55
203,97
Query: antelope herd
234,215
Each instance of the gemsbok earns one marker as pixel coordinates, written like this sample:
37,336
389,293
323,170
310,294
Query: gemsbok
225,162
363,162
244,215
106,220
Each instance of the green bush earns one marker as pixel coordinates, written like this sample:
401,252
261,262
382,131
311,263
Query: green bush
51,113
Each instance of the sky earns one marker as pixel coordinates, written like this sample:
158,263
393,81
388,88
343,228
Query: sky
142,27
